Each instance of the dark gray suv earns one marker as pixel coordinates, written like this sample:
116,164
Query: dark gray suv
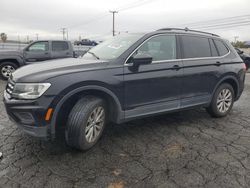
127,77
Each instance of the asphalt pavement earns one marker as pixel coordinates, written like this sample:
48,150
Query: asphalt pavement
184,149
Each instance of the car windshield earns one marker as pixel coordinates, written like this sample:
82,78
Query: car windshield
112,48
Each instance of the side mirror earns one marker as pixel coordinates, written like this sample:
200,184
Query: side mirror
141,59
241,52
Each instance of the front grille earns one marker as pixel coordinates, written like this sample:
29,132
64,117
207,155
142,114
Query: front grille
10,87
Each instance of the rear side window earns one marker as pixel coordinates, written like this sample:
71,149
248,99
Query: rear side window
195,47
221,47
59,46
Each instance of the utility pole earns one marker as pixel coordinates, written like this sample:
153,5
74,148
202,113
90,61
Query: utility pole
63,30
235,39
36,36
113,13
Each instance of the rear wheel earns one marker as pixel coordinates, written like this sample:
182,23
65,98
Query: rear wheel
86,123
247,64
222,101
6,69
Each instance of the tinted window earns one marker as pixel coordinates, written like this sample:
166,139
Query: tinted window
213,48
160,47
59,46
221,47
39,46
194,47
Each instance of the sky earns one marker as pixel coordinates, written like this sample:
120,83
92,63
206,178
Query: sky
91,19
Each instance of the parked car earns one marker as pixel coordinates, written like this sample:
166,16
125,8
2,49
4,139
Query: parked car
245,57
86,42
34,52
127,77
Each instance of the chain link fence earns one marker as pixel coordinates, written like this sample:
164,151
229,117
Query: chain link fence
20,46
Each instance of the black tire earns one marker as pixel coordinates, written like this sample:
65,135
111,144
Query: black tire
78,120
247,65
3,74
213,109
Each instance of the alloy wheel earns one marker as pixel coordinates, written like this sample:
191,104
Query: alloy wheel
95,124
7,70
224,100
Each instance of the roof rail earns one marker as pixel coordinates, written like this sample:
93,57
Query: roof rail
186,30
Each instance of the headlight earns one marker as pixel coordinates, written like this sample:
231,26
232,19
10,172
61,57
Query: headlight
29,90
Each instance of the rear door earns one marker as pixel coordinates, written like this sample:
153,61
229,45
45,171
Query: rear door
61,49
202,67
154,87
38,51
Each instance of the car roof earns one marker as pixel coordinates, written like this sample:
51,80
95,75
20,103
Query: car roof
185,31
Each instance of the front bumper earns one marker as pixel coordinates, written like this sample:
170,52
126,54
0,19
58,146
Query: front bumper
29,115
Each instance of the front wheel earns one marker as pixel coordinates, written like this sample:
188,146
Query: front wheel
86,123
222,101
7,68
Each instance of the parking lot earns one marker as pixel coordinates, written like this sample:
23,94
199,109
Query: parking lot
184,149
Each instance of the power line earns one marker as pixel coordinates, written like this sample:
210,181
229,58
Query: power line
99,17
134,5
122,8
229,26
215,21
222,25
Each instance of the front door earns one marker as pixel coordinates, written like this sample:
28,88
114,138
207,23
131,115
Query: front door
154,87
38,51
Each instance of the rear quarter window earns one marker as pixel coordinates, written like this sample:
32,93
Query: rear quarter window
195,47
222,49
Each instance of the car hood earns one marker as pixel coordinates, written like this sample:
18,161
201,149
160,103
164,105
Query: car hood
10,53
42,71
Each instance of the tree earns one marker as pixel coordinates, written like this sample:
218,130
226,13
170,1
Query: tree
239,44
3,37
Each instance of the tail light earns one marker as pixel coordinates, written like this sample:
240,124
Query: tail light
245,67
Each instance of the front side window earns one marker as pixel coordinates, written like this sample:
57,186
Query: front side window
221,47
161,47
195,47
59,46
112,48
39,46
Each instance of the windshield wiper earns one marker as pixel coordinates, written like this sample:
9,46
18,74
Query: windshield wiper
93,54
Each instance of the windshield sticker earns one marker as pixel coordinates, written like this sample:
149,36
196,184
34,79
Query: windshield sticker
115,46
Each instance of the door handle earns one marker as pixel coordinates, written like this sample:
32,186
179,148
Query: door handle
176,67
218,63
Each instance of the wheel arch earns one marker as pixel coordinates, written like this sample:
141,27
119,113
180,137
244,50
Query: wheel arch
232,80
68,101
13,60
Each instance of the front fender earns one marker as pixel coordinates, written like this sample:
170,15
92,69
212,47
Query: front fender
19,59
120,114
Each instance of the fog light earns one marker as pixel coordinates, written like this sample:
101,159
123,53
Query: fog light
25,117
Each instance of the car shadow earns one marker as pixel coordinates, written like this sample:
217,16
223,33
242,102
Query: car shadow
113,131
